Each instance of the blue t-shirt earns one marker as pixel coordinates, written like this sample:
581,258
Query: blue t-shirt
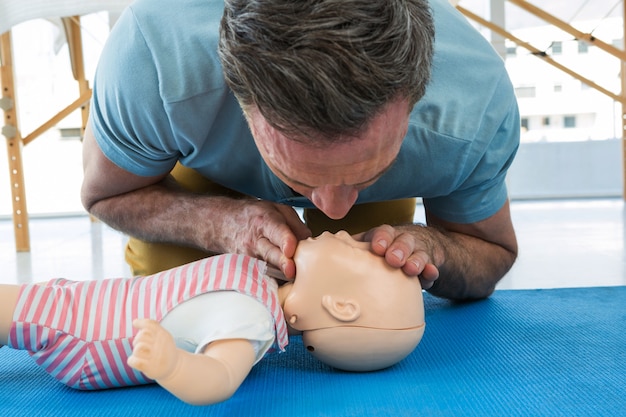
160,97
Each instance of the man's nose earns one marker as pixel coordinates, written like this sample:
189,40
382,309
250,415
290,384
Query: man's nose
334,200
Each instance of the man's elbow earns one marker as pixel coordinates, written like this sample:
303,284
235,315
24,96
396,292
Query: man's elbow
483,287
87,198
505,263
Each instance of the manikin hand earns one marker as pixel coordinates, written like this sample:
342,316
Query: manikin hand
205,378
406,247
154,350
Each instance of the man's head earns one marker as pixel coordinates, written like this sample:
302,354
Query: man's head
355,312
327,87
324,68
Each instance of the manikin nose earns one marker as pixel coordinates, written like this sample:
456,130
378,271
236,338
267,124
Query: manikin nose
334,200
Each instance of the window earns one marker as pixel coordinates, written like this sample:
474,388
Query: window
583,47
557,48
525,92
546,121
524,123
569,121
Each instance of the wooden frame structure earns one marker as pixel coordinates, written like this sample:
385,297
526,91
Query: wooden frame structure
586,37
14,138
13,12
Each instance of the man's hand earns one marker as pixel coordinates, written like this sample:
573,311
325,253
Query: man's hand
265,230
406,247
459,261
154,350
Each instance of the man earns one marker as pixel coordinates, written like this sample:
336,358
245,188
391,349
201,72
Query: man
328,105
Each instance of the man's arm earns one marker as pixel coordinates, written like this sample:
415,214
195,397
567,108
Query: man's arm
155,209
476,255
454,260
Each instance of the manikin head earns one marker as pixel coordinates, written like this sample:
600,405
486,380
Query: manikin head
355,312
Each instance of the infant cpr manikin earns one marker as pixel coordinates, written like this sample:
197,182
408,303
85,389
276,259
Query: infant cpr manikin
356,312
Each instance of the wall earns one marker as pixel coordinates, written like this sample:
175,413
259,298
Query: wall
567,170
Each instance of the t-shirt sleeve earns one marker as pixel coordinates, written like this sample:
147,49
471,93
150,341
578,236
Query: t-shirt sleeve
484,191
127,114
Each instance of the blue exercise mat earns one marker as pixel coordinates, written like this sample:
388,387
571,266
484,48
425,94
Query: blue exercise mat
559,352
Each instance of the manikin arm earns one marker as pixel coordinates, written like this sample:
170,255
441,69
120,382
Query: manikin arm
200,379
8,298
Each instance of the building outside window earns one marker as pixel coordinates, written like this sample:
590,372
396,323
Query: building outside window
569,121
525,92
524,123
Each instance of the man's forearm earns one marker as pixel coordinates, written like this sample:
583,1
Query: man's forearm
470,267
165,214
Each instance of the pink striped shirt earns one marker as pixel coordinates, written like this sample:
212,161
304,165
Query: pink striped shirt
81,332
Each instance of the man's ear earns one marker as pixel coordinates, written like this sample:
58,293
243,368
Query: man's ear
342,309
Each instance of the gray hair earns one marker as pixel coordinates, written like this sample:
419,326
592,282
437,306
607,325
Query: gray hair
324,68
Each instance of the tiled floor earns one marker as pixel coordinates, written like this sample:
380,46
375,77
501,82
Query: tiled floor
70,247
575,243
568,243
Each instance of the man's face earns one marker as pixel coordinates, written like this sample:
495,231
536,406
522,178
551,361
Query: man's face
332,176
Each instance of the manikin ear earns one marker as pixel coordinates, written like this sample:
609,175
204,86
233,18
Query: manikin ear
342,309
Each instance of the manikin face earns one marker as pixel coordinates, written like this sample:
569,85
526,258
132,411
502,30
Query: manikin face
355,311
337,266
332,176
